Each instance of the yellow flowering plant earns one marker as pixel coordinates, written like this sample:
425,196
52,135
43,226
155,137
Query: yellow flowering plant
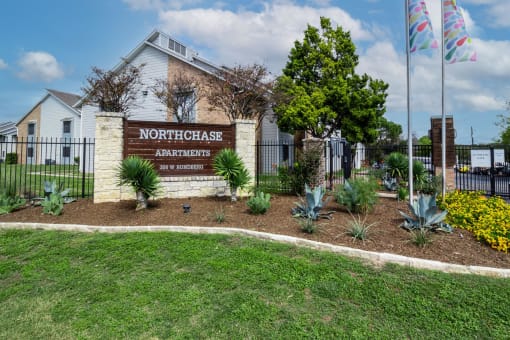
487,218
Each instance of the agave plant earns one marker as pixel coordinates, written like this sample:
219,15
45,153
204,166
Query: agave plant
141,176
311,206
228,165
426,215
57,189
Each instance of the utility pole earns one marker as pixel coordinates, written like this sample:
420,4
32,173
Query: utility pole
472,137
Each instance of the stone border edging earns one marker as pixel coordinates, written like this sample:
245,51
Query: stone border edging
368,256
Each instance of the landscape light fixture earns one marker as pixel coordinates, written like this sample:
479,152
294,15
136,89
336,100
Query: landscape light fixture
187,208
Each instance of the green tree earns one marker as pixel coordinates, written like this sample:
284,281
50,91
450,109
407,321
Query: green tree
319,91
504,124
389,132
424,140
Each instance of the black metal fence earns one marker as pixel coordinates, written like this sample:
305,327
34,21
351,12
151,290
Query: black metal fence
276,161
27,163
483,168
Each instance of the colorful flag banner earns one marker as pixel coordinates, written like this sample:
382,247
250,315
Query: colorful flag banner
420,28
457,42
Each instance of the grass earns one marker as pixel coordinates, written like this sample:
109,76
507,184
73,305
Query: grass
30,178
169,285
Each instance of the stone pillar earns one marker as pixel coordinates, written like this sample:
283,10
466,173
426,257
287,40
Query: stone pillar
245,145
108,156
316,145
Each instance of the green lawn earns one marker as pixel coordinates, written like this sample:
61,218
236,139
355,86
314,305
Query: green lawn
169,285
30,178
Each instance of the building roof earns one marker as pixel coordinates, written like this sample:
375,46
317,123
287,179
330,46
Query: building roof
8,129
168,45
68,98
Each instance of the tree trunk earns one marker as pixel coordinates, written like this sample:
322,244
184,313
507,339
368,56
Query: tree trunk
233,194
141,201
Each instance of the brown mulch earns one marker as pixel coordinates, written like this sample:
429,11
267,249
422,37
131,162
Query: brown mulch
384,236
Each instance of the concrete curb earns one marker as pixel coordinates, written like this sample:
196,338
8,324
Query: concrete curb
371,257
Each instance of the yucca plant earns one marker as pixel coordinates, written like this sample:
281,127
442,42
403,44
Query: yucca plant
397,164
228,165
142,177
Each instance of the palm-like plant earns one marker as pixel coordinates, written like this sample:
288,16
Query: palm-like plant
141,176
228,165
397,165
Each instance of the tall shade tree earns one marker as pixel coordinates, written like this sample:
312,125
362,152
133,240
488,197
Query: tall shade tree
241,92
180,95
319,91
115,90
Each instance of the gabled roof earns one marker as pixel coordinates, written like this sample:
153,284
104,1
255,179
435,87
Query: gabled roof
69,100
168,45
8,129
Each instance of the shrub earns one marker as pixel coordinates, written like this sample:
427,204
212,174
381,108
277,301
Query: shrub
11,158
358,195
259,203
308,225
53,204
228,165
141,176
9,200
421,237
431,186
487,218
311,206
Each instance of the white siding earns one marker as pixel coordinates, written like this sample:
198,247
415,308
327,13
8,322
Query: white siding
88,121
53,112
156,67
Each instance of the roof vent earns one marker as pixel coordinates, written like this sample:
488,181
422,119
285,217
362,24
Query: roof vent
176,47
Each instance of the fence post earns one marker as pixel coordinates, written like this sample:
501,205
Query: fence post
84,155
492,173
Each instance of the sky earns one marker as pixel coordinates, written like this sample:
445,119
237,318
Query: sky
53,44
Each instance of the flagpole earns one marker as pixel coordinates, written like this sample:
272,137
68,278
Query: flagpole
409,118
443,116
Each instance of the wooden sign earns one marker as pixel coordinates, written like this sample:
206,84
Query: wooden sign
178,149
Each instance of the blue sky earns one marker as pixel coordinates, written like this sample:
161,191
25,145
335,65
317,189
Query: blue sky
54,43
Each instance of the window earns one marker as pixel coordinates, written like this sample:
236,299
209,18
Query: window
66,151
31,129
3,138
30,152
66,126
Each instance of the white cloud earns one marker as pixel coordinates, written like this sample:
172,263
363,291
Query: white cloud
245,37
159,4
497,10
3,64
39,65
